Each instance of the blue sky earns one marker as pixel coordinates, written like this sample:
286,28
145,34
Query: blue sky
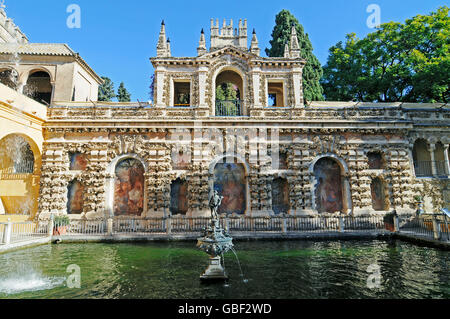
117,38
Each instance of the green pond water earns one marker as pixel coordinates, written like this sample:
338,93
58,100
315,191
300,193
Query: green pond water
288,270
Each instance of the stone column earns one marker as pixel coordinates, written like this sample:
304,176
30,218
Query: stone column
431,149
256,77
202,71
447,162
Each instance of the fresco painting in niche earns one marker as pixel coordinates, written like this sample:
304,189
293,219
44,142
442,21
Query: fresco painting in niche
75,198
178,197
280,196
377,194
230,182
181,160
329,186
78,162
129,188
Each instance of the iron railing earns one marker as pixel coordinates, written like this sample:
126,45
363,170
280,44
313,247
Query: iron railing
424,168
180,225
228,108
14,232
428,226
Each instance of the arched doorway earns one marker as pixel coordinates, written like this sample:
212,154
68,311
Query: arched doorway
229,91
129,188
422,158
39,87
230,180
19,186
330,189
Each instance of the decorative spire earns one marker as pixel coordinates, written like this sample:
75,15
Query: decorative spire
254,48
295,48
168,47
286,50
163,48
201,44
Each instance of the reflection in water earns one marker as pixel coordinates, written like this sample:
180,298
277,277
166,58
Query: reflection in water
291,270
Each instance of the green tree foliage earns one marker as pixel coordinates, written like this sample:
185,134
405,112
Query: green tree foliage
281,35
406,62
122,94
106,90
227,92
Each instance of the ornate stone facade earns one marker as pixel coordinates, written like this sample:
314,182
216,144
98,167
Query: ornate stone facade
254,137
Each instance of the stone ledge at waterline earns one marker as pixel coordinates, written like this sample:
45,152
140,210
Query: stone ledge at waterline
239,236
24,244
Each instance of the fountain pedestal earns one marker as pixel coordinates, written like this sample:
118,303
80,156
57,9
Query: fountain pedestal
215,271
215,242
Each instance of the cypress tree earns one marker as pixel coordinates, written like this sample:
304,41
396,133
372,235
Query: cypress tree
312,73
122,94
106,90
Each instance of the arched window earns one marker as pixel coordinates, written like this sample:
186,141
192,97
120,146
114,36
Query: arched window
231,182
39,87
329,186
280,196
9,78
229,90
422,158
378,196
178,197
75,201
129,188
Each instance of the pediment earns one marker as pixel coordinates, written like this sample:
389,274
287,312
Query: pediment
230,51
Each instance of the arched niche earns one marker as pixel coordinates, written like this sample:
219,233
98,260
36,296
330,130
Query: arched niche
39,86
330,186
19,167
229,178
126,186
75,201
377,188
280,196
178,197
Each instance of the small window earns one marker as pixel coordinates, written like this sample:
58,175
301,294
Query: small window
181,161
275,94
182,94
375,160
78,162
